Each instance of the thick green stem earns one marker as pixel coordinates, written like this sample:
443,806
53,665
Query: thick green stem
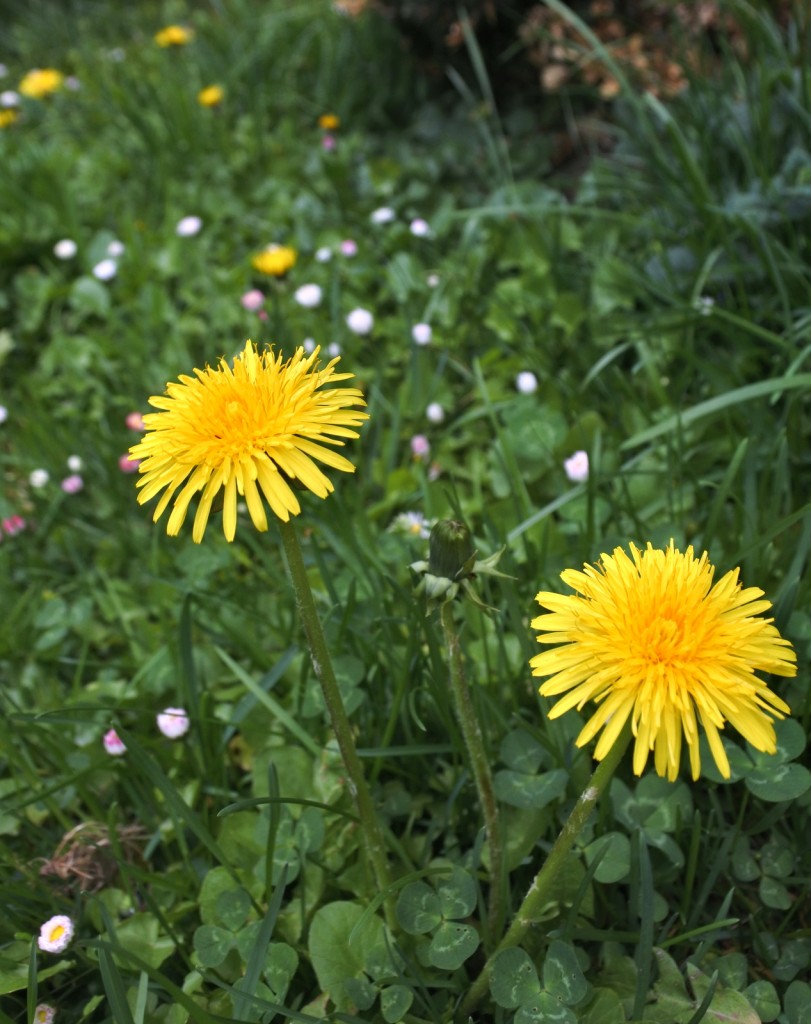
541,888
322,664
474,741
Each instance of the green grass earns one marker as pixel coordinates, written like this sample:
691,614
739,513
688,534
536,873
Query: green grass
664,311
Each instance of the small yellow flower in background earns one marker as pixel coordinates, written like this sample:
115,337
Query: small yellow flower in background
8,117
211,96
329,122
275,260
252,427
651,638
173,35
41,82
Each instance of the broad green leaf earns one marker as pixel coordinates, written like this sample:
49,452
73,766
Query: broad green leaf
605,1008
457,894
777,859
334,957
779,782
764,999
521,752
529,791
615,862
452,944
797,1003
418,908
232,908
562,974
141,935
361,991
544,1009
514,979
212,944
395,1001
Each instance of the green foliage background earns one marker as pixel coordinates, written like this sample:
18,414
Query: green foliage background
661,299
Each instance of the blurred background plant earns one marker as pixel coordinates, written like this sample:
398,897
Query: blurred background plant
601,214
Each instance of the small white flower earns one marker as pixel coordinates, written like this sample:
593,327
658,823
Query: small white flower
75,463
308,345
435,413
113,744
55,934
105,270
413,524
349,247
9,98
422,334
173,723
73,83
383,215
3,414
704,305
38,478
432,280
333,349
44,1014
324,254
115,249
65,249
419,227
116,54
577,467
187,227
308,295
360,321
526,382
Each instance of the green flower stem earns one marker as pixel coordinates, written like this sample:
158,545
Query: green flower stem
538,895
322,663
474,741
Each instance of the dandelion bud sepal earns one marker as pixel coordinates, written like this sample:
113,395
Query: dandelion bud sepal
452,564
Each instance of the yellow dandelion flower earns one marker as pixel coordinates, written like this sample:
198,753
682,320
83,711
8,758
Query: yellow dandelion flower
250,429
329,122
41,82
211,96
173,35
275,260
651,638
8,117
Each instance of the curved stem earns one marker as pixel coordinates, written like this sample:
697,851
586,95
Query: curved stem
322,664
474,741
540,890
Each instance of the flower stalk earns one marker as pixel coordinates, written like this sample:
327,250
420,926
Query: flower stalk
538,894
322,664
474,742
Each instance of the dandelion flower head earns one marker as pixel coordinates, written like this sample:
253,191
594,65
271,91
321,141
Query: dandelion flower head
173,35
41,82
211,96
650,638
7,118
275,260
251,428
329,122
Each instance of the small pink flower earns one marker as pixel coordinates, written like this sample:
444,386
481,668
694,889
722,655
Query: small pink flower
349,247
173,723
113,743
262,314
55,934
127,464
422,334
13,525
252,300
44,1014
419,227
328,142
135,421
577,467
420,447
72,484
